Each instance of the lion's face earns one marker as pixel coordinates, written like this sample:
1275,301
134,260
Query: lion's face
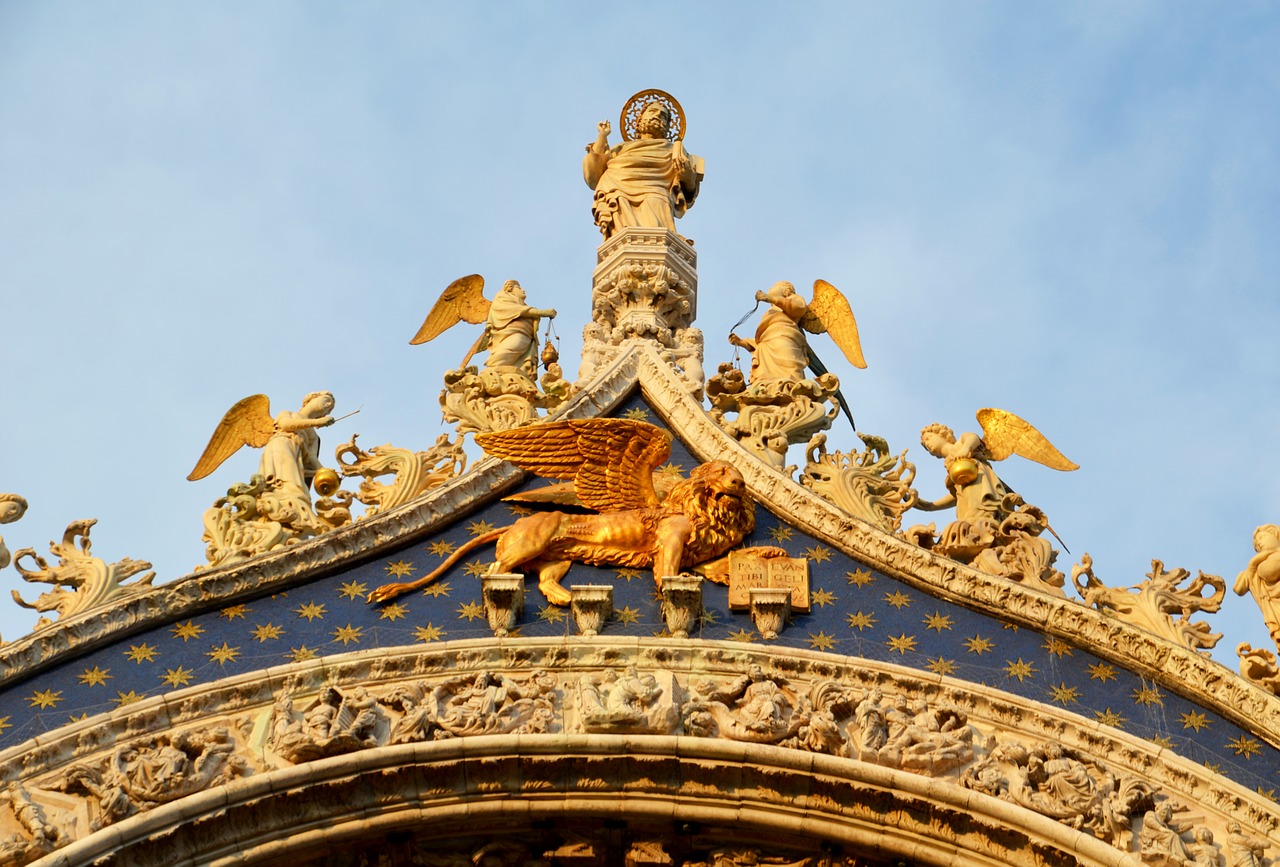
721,478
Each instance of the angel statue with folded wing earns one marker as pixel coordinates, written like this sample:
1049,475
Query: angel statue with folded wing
504,392
779,403
275,506
994,529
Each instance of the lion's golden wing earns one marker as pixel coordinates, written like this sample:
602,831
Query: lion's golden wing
461,299
829,311
610,460
247,423
1007,434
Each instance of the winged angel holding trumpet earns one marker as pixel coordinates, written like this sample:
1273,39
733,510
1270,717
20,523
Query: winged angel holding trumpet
643,518
994,529
275,506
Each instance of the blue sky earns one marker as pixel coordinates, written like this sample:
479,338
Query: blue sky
1069,211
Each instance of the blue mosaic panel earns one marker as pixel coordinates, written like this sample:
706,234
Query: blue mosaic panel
855,611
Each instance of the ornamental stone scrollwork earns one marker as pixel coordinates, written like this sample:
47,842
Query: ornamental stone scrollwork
414,473
628,701
140,777
80,580
1259,666
995,530
873,485
332,724
1152,604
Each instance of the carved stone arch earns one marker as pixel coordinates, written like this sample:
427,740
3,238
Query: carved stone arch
526,786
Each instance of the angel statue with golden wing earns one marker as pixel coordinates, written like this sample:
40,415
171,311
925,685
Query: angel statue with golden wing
511,325
994,528
780,349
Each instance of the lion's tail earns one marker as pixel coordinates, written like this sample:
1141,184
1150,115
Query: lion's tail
391,591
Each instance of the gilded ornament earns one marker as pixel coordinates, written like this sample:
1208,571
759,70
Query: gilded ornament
611,463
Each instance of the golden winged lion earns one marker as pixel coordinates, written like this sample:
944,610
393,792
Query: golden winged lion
511,325
611,463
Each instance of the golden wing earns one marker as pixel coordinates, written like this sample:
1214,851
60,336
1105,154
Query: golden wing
247,423
462,299
829,311
1006,434
610,460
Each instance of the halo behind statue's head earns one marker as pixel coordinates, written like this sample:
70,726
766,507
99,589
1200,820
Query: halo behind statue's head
637,104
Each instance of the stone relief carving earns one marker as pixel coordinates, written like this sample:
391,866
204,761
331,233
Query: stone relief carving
1061,784
1161,841
612,463
331,725
414,473
138,777
995,530
873,485
1259,667
489,703
911,734
628,701
1244,850
754,708
38,836
778,404
503,393
80,581
1152,604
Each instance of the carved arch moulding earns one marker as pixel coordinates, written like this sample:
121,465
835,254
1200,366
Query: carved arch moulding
655,733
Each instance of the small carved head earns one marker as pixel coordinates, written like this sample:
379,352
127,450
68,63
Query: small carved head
513,288
1266,536
320,402
935,436
12,507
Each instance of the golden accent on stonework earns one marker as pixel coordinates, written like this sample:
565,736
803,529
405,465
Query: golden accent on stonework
860,621
1109,717
1021,670
626,615
399,569
353,589
141,653
742,635
470,610
186,630
176,677
1245,746
267,631
348,634
311,611
1194,720
1102,671
1056,647
902,643
937,621
428,633
818,553
124,698
224,654
95,676
551,614
231,612
860,577
1064,694
978,645
821,598
781,534
300,654
441,549
45,698
942,666
393,612
898,599
821,641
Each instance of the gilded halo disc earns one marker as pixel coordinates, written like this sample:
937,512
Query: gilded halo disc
636,104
